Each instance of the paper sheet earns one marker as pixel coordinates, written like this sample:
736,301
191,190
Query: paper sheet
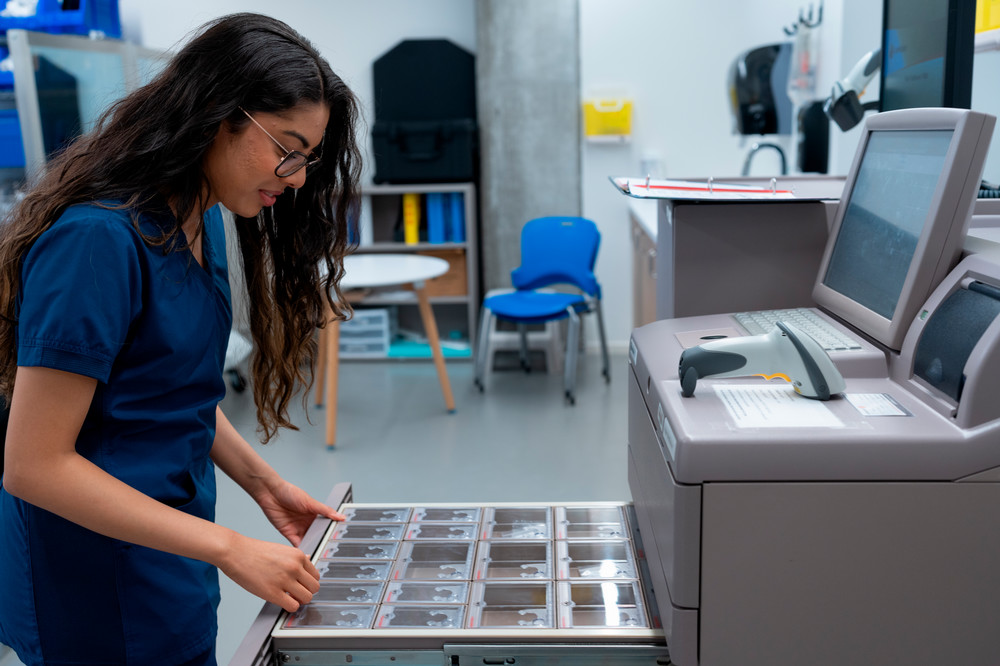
643,188
774,407
876,404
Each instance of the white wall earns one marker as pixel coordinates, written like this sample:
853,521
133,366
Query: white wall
861,32
672,59
986,98
350,34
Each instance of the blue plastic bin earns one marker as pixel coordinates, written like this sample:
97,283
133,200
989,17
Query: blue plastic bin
75,17
11,144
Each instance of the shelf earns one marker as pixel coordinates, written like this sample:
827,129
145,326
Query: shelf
390,247
422,188
408,298
380,230
988,40
412,349
614,139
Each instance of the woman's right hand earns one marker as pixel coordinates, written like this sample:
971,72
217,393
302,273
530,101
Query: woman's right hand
275,572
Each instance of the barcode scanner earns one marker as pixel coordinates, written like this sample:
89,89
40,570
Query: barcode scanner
786,352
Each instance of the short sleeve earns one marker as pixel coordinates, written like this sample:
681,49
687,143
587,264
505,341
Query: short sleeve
80,290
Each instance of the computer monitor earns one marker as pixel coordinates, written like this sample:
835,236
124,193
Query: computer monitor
903,217
927,53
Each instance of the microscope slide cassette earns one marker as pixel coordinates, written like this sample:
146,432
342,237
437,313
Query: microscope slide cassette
456,572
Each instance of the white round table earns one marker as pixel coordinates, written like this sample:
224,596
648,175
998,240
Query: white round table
366,271
373,271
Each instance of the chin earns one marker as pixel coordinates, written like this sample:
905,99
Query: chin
247,210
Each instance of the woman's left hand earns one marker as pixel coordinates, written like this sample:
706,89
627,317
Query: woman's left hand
291,510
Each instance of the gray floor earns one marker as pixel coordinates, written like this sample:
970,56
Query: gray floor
518,441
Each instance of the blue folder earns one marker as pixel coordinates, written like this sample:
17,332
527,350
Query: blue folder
435,217
456,217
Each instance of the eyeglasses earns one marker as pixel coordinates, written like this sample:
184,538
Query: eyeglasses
293,159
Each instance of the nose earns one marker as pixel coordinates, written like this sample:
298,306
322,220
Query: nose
297,179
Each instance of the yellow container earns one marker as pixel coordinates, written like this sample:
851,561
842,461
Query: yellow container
987,15
607,117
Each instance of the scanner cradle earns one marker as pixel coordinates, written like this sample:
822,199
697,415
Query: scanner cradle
785,352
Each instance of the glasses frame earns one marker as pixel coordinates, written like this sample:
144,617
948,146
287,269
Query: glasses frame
307,160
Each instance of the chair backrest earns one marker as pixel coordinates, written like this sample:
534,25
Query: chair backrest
558,250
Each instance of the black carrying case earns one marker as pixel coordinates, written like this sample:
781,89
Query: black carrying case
425,127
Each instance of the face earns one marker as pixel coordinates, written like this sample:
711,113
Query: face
240,166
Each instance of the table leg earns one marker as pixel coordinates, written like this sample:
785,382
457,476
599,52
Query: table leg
430,328
319,373
332,368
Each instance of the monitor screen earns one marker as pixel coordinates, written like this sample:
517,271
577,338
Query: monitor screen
885,216
927,53
902,219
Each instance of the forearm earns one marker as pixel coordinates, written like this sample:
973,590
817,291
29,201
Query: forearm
237,458
72,487
288,507
43,468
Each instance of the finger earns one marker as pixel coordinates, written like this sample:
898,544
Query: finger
310,584
320,509
287,602
311,570
301,594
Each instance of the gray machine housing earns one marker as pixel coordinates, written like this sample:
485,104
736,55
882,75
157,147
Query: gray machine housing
874,542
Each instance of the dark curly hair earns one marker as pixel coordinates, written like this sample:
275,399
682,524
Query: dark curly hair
147,150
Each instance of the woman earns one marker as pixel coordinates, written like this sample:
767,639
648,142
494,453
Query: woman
114,319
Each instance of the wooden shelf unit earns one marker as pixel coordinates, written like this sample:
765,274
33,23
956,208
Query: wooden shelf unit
454,296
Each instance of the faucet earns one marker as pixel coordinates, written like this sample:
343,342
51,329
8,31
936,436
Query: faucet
758,146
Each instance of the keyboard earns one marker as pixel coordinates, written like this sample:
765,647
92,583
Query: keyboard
806,319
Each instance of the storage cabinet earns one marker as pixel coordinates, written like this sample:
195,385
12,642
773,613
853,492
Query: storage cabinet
643,276
446,213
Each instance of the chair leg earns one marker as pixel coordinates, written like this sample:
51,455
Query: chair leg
522,334
483,349
604,342
554,351
572,338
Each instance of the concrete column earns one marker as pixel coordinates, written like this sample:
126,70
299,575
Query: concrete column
528,95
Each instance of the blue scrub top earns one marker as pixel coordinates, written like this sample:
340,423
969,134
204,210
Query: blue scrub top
151,325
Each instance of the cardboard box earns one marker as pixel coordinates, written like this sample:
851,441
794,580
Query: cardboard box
453,283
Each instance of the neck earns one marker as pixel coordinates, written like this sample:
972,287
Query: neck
192,224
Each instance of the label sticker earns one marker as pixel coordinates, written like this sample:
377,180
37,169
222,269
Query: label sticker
876,404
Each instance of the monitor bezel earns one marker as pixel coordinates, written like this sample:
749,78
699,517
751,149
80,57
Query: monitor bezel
943,234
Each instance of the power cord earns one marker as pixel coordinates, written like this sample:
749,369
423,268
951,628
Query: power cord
988,190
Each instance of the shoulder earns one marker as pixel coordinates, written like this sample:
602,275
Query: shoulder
97,221
98,234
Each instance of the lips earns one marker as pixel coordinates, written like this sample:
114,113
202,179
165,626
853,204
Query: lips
268,197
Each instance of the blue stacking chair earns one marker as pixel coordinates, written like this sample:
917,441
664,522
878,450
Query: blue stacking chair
554,251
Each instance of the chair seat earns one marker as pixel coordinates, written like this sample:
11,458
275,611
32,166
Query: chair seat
532,306
577,240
